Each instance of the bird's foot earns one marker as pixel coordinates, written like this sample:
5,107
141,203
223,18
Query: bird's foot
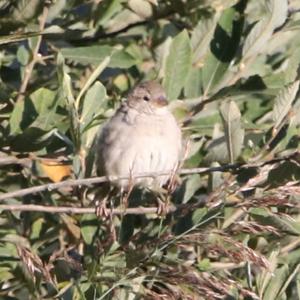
125,194
173,183
102,211
106,214
162,207
124,200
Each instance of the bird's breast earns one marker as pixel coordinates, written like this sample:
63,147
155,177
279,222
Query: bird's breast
140,146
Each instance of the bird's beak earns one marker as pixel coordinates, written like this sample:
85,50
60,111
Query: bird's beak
161,101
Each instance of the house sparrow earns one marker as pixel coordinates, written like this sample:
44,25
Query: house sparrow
142,136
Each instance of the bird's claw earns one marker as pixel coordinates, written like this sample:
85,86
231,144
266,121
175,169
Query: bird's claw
101,210
162,208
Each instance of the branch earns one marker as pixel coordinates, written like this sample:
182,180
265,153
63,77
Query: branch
100,35
6,159
12,160
35,56
96,180
80,210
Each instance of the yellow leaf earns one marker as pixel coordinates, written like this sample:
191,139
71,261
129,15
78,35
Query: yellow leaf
55,171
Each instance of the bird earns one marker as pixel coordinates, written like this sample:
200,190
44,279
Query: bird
142,136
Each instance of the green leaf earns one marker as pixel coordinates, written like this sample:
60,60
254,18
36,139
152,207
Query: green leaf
276,283
96,54
283,103
6,274
67,94
27,9
192,184
22,116
123,19
198,215
92,103
192,87
177,65
32,139
91,79
37,111
234,133
201,38
282,222
36,228
141,7
88,227
12,38
263,278
92,106
263,30
217,148
23,55
71,225
108,10
42,100
45,103
161,56
222,50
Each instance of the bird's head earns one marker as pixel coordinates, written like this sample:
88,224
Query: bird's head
148,96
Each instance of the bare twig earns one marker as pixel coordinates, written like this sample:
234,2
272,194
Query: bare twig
53,186
12,160
96,180
35,56
6,160
79,210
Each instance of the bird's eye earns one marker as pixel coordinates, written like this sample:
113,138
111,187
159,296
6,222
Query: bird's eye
146,98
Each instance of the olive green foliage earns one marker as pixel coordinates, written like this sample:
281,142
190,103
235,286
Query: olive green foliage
230,69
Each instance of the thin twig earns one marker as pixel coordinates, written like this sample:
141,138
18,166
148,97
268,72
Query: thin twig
96,180
12,160
79,210
35,56
6,160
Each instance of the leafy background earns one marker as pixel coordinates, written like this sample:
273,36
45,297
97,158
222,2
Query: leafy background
231,73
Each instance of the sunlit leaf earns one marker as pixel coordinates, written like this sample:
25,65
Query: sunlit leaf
92,103
222,49
275,16
96,54
177,65
276,283
141,7
283,103
201,38
234,133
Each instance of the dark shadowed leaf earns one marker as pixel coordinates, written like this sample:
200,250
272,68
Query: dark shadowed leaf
22,116
222,49
32,139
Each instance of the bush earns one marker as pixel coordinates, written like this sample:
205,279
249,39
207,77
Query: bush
231,73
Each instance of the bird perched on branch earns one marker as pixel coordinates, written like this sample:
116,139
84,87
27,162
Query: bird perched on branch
142,137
